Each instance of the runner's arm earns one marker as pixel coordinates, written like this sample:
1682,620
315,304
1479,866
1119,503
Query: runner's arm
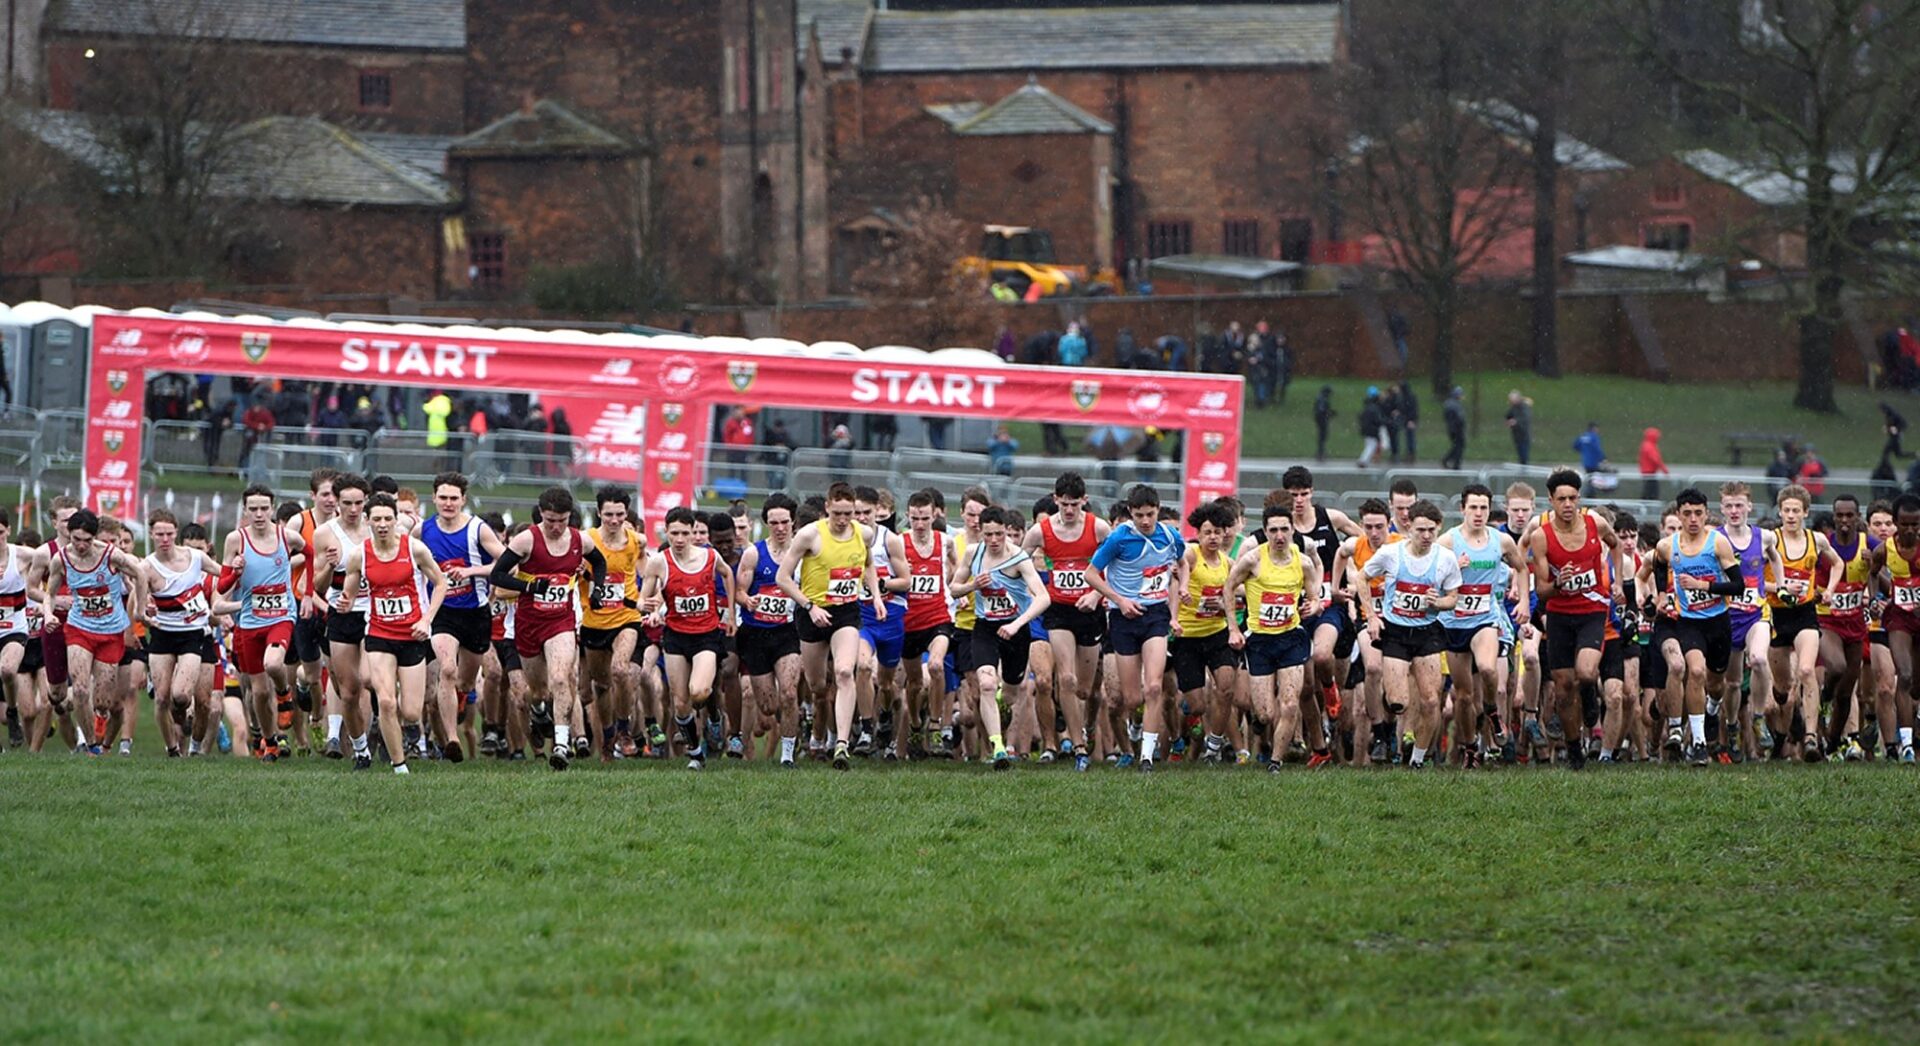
1342,523
436,583
490,542
53,571
1310,579
901,577
1040,600
1734,582
596,567
504,576
788,576
743,574
350,585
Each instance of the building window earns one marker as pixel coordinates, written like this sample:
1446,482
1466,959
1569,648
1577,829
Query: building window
376,89
487,260
1296,239
1240,237
1669,194
1168,238
1667,236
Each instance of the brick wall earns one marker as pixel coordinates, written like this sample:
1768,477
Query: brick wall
427,87
554,212
1047,181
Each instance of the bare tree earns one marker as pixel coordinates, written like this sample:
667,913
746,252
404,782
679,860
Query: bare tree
1820,94
32,187
1433,177
174,115
916,267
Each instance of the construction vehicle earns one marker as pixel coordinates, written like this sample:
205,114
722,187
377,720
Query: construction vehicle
1021,258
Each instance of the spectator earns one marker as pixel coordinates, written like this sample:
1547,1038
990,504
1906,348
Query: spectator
1651,464
1780,471
1000,451
1233,342
1812,473
258,423
1003,344
1409,421
777,435
1282,360
290,407
1218,357
6,386
478,422
1373,426
1886,484
1126,350
1520,425
1455,413
1399,331
331,418
1323,413
882,430
1037,350
1263,364
219,420
840,449
1390,414
736,434
1173,352
1896,427
1587,445
1053,438
1072,350
937,431
438,407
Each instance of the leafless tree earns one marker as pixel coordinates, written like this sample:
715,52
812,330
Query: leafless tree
917,268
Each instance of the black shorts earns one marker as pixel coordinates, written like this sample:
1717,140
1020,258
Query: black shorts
346,626
1613,659
508,655
1879,638
310,638
20,638
1088,626
1194,659
846,615
35,658
603,638
687,644
132,654
917,643
762,648
176,644
1269,652
1460,640
1130,634
1010,655
1791,621
961,650
407,652
1568,634
472,627
1653,667
1402,643
1712,636
1335,615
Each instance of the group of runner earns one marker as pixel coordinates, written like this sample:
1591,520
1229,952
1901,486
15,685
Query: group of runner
856,627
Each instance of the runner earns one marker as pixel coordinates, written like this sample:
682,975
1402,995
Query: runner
392,567
1334,628
178,614
503,680
1893,725
929,616
1421,582
16,563
881,640
130,681
824,571
1205,658
1066,540
465,548
1843,626
1370,712
610,633
1524,676
310,630
553,553
688,592
1135,569
53,640
1804,557
1570,552
1479,631
99,628
346,620
973,501
769,644
1282,586
260,560
1704,572
1749,614
1007,596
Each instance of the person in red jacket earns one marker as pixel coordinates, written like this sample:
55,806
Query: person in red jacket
1651,464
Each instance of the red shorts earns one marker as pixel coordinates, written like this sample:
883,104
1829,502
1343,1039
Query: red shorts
530,636
106,648
250,645
1850,629
1895,619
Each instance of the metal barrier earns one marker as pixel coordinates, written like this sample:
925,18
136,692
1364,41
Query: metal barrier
407,457
734,472
531,458
20,442
63,437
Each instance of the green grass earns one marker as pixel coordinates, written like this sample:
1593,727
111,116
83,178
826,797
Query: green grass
170,901
1693,420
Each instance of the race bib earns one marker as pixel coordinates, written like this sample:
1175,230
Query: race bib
1212,602
194,606
773,608
1906,592
93,602
1474,601
1411,600
497,608
270,602
1849,600
1697,598
843,585
1579,582
1326,593
691,606
1070,582
392,608
1794,588
456,586
996,604
610,593
557,594
925,585
1154,581
1377,603
1277,609
1749,597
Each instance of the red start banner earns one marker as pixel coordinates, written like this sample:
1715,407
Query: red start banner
664,394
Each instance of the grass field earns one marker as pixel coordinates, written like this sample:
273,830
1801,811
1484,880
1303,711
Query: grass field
163,901
1693,420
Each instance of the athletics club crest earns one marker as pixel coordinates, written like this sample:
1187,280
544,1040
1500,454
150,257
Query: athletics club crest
1213,441
670,413
116,380
1086,394
668,472
109,501
255,345
740,374
114,439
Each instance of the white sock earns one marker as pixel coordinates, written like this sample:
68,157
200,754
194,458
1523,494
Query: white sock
1216,742
1149,741
562,734
1673,722
1697,726
1419,755
1906,735
1713,706
193,746
360,745
786,748
333,726
402,769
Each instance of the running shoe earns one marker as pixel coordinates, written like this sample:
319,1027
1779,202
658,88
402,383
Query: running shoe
1906,754
1555,732
1379,753
863,744
99,725
1697,755
1320,759
787,763
1003,760
891,754
454,752
1762,734
1178,748
1809,749
582,747
1853,752
1146,766
656,736
625,748
1276,768
697,759
1297,750
1676,743
1723,757
1122,762
716,733
1535,736
1242,758
561,758
1046,755
736,748
333,749
173,752
1576,756
1067,748
842,759
1508,752
126,746
490,743
224,739
1081,762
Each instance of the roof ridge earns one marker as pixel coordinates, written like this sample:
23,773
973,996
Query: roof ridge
406,172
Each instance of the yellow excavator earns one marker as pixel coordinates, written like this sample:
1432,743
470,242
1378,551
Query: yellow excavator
1020,258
